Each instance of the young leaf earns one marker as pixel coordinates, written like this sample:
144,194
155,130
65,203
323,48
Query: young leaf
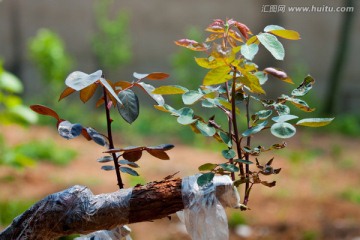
278,74
283,130
149,90
228,154
207,167
110,90
314,122
167,90
130,171
79,80
249,51
272,44
161,154
205,178
252,82
217,75
205,129
273,27
229,167
186,116
301,104
243,161
122,85
255,129
130,108
192,45
68,130
287,34
304,87
151,76
191,97
88,92
261,76
40,109
66,93
105,159
210,62
284,118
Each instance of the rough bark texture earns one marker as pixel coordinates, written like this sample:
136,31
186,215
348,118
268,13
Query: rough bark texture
77,210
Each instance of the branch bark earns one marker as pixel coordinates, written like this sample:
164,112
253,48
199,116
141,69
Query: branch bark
77,210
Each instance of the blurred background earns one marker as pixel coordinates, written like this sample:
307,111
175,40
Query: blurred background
42,41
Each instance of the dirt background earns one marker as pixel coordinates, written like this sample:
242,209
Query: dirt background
305,204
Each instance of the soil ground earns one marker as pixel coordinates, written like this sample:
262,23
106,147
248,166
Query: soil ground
307,202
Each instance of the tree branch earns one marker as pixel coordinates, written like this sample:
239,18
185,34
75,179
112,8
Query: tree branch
77,210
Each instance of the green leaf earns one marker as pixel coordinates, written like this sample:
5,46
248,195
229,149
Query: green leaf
252,82
314,122
304,87
301,104
283,130
217,75
228,154
107,168
186,116
255,129
281,109
264,114
210,62
105,159
149,90
129,111
284,118
97,137
126,162
205,178
273,27
10,83
191,97
207,167
109,89
225,138
272,44
205,130
287,34
78,80
23,114
171,89
130,171
243,161
262,77
229,167
249,51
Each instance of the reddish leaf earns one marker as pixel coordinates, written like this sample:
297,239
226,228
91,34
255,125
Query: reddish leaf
88,92
100,102
161,154
122,84
40,109
244,30
214,36
279,74
162,147
191,44
132,156
66,92
235,35
157,76
86,134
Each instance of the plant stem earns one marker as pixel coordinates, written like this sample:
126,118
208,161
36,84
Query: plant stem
111,142
233,112
248,142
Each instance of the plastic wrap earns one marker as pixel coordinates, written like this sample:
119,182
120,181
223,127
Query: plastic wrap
204,214
120,232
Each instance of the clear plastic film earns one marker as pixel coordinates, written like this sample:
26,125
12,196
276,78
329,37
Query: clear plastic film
120,232
204,214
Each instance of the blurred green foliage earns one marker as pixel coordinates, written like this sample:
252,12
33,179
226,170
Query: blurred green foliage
47,51
112,42
10,209
11,108
352,195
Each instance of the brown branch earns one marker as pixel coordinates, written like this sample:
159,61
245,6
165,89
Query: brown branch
77,210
